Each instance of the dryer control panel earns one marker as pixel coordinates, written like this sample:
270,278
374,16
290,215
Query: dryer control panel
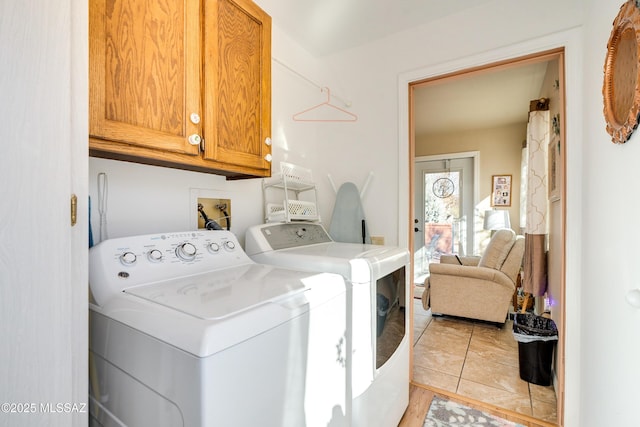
269,237
121,263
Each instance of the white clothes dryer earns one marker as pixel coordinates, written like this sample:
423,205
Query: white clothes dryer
186,330
377,322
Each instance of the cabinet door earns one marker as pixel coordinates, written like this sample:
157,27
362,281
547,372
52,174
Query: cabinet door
144,64
237,83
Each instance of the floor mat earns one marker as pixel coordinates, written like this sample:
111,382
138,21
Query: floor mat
446,413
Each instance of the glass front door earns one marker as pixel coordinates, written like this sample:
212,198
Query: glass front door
444,211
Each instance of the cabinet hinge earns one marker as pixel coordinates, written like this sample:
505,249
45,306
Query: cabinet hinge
202,145
74,209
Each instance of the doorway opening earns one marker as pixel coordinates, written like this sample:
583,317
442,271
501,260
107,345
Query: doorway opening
444,148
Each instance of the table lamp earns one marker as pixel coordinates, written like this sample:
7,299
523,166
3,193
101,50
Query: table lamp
496,219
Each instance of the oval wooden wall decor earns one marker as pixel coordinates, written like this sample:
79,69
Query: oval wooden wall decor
621,89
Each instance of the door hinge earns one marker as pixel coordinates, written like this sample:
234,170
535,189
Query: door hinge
74,209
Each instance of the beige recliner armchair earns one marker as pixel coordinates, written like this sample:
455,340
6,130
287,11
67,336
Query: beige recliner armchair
477,287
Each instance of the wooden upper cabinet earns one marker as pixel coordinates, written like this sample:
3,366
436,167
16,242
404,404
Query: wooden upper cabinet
145,74
237,77
163,74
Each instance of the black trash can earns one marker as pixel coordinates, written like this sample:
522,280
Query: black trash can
536,338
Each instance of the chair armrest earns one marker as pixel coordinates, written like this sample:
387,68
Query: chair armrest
466,260
470,260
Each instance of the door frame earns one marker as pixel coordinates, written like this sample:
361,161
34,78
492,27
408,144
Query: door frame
475,155
570,42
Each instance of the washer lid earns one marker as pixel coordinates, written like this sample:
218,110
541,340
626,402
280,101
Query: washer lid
208,313
224,292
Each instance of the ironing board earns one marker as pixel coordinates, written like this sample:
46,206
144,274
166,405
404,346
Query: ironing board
348,223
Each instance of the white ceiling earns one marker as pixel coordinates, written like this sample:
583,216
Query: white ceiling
324,27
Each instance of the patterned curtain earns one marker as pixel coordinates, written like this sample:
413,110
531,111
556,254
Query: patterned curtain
535,269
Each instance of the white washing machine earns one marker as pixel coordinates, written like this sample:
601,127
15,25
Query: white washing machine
186,330
377,322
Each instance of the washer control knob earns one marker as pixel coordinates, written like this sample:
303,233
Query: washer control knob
128,258
213,247
154,255
229,245
300,232
186,251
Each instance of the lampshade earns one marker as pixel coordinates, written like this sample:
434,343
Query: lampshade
496,219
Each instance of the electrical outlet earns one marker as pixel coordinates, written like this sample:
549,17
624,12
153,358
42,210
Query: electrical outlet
218,210
377,240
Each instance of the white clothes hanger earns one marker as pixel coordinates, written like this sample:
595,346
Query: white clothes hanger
325,112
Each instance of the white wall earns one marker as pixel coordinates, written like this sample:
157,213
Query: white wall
610,344
148,199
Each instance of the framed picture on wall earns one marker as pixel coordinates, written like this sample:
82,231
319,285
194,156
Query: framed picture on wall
501,190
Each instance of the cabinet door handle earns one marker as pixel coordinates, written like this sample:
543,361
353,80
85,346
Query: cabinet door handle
195,118
268,158
267,141
195,139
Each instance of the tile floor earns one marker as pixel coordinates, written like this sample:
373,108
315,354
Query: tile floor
476,360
